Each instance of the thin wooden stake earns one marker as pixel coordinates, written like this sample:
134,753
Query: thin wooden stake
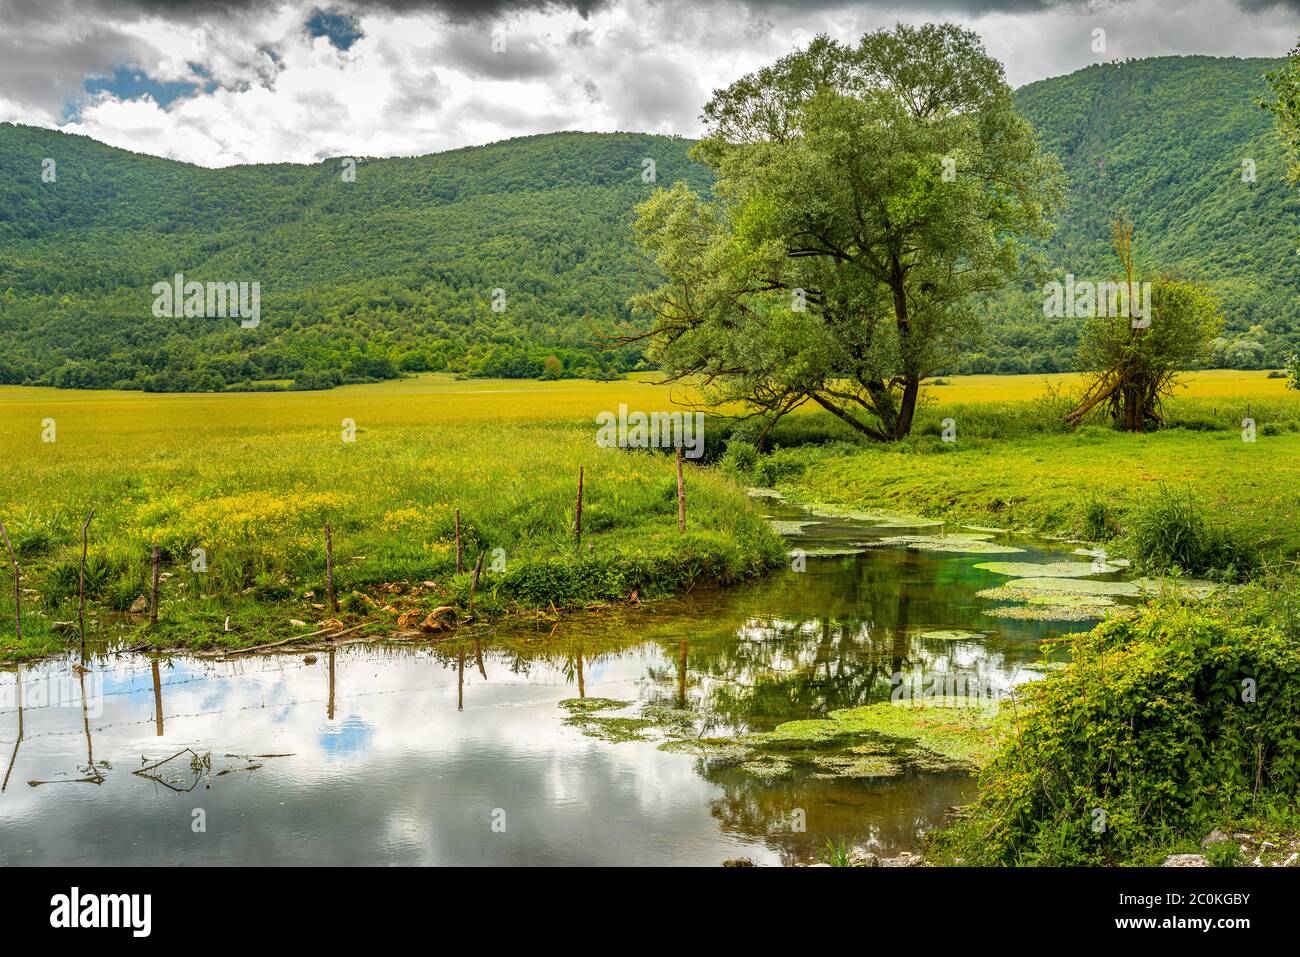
473,585
18,591
153,593
329,568
459,564
81,582
681,494
577,520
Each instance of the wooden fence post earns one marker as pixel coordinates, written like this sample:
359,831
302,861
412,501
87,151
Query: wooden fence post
459,566
681,494
329,568
18,591
577,519
153,592
473,585
81,581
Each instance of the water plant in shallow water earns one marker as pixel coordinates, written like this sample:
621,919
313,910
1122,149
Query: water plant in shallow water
883,740
839,853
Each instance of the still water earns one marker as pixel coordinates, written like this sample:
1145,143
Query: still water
458,753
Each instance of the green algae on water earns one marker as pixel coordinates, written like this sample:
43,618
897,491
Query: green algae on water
593,704
786,527
1074,586
615,730
1048,569
970,544
878,519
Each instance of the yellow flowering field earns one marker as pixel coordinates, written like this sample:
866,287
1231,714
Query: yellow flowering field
251,479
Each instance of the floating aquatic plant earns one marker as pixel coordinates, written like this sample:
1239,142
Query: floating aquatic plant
966,543
1048,569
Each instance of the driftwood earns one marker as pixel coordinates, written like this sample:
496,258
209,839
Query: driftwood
292,639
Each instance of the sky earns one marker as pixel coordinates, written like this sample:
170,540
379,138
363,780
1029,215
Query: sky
219,82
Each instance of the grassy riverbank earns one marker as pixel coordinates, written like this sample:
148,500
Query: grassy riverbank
251,479
1014,465
1171,732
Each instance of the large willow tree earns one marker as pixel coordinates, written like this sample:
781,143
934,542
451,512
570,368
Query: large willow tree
866,198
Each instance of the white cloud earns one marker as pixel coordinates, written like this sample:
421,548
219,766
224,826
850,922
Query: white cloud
420,81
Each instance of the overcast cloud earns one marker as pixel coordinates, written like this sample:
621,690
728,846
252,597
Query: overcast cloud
217,82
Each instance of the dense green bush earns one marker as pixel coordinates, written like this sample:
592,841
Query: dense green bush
1162,726
1169,535
698,558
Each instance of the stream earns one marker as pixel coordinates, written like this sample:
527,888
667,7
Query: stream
459,753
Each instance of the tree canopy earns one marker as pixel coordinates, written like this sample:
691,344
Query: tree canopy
866,197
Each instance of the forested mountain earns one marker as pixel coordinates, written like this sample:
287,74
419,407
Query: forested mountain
1167,141
396,270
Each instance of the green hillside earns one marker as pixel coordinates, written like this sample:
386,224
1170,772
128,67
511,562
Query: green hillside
1165,139
396,270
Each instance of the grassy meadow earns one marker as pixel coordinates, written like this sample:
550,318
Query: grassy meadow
253,478
1015,464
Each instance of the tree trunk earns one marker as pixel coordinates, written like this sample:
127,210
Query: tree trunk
907,408
902,425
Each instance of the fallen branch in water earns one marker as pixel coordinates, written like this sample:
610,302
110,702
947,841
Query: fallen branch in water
157,764
293,638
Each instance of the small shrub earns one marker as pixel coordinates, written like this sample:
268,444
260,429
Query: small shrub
1099,524
32,543
1223,854
271,587
838,853
777,467
63,582
119,595
740,459
1168,535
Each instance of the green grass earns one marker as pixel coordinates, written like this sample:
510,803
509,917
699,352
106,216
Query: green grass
1094,484
253,478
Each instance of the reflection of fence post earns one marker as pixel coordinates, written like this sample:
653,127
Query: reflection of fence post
81,582
18,590
459,566
329,568
577,520
153,591
681,494
157,698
